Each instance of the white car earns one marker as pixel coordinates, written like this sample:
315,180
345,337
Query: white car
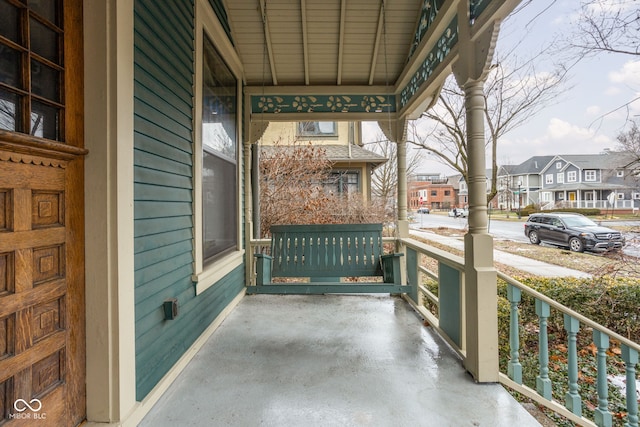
459,213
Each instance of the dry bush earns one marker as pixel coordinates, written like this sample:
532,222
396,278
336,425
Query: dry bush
295,189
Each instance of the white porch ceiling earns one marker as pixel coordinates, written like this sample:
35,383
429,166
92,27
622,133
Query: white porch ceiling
320,43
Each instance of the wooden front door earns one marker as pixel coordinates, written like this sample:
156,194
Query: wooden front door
42,326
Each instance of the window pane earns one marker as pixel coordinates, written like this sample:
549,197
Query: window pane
218,105
44,121
45,81
219,161
10,66
317,129
219,204
9,21
47,9
44,41
9,111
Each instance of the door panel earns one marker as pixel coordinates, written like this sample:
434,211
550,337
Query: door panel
42,327
33,293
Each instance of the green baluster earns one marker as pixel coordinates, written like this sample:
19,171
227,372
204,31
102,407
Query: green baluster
630,357
514,369
602,416
543,383
572,398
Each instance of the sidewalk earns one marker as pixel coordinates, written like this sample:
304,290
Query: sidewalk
529,265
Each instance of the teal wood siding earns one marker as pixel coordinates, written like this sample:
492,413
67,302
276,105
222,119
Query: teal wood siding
163,205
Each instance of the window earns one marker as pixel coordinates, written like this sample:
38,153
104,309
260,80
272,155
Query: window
31,69
548,179
572,176
219,156
434,193
636,196
343,182
560,178
620,196
317,129
447,192
560,196
589,175
620,174
558,165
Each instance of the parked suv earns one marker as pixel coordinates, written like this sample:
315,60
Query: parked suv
575,231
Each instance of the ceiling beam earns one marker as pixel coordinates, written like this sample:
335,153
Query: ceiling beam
267,41
376,46
343,18
305,40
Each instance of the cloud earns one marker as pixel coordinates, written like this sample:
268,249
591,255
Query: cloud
628,75
593,110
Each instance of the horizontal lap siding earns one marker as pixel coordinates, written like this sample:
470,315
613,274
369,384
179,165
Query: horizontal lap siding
163,192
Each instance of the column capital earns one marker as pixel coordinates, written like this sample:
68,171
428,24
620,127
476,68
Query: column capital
476,52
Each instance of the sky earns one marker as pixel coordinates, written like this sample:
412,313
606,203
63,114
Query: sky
581,120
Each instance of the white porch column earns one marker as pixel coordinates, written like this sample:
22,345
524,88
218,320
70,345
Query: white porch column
480,293
480,275
403,222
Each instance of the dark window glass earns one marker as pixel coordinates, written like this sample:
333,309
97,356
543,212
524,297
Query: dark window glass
10,66
220,164
9,21
9,111
45,120
45,81
44,41
47,9
31,68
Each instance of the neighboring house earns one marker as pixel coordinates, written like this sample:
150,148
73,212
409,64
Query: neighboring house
352,165
603,181
430,190
519,185
589,181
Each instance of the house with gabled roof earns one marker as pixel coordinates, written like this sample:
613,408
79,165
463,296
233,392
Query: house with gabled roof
519,185
601,181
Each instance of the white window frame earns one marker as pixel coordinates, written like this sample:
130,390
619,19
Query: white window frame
620,174
635,196
558,165
300,132
572,176
548,178
588,173
620,196
560,178
206,276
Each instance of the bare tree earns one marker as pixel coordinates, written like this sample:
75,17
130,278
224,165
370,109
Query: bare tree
629,140
384,181
611,26
604,27
514,92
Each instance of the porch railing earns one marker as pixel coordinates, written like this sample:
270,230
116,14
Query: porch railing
444,310
592,204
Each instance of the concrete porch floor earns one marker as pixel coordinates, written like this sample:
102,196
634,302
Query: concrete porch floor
335,360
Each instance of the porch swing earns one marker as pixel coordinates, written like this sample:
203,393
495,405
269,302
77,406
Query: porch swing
320,256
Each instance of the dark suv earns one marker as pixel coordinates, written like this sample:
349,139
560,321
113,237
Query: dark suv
575,231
